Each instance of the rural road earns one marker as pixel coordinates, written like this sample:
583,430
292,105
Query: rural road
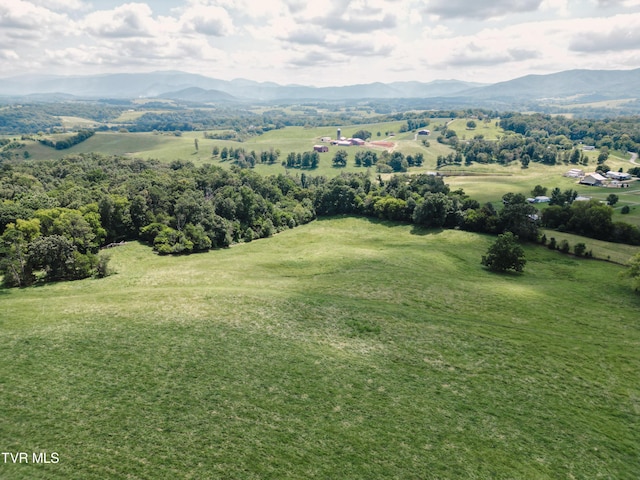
634,157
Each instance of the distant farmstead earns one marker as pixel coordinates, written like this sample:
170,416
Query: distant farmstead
618,175
575,173
320,148
539,199
593,179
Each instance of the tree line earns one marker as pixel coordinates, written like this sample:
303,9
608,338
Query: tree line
621,133
68,141
55,215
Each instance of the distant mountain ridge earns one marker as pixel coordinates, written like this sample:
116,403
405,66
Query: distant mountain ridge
596,84
605,84
197,94
172,84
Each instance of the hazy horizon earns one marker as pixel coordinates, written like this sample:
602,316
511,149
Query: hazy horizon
324,43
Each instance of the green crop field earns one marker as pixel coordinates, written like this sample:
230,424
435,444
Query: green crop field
345,348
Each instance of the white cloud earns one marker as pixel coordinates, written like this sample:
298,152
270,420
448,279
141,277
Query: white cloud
355,16
559,6
315,58
415,17
74,56
439,31
255,9
128,20
208,20
473,9
285,40
6,54
18,14
381,45
308,36
353,23
475,56
61,5
154,52
618,3
616,34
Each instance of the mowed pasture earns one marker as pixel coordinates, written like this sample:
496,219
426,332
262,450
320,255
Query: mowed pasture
345,348
613,252
488,129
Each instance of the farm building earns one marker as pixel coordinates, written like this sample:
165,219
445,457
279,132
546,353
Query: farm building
539,199
343,143
588,147
320,148
356,141
575,173
424,132
618,175
593,179
325,139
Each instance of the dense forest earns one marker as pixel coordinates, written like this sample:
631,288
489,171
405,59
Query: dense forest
56,215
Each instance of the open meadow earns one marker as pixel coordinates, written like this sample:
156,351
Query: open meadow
344,348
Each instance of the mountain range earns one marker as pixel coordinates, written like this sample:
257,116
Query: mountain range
577,85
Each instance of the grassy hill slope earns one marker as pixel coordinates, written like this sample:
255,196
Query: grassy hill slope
346,348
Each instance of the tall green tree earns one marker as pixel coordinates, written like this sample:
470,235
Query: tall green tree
538,191
362,134
518,217
505,254
55,255
434,210
340,158
633,271
591,219
15,267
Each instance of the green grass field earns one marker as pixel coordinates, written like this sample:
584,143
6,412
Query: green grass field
489,130
345,348
613,252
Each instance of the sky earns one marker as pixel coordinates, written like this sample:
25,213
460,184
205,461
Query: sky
320,42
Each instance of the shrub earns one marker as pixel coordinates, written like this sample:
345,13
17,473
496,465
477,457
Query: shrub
579,249
102,266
